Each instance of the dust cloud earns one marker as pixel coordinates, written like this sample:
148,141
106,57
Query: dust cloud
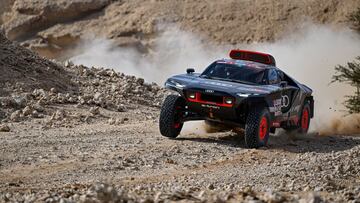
308,55
343,125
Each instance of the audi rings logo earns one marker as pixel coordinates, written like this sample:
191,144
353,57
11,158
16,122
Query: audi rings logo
209,91
285,101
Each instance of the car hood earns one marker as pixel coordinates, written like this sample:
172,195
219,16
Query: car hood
193,81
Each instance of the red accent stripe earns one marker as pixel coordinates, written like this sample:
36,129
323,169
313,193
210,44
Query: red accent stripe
198,100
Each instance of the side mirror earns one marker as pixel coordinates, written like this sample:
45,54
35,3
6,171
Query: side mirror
190,70
283,84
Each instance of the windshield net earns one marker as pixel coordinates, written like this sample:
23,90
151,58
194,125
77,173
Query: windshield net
235,73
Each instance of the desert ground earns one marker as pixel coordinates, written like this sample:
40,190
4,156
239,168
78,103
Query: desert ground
72,133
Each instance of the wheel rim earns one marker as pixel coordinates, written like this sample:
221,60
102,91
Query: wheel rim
176,125
263,128
178,114
305,119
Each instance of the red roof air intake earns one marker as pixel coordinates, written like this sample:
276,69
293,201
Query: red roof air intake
252,56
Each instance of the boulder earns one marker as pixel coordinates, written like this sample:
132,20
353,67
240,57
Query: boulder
20,100
103,193
4,128
94,110
27,111
58,115
29,16
15,116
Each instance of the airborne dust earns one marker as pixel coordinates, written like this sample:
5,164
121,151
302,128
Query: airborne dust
309,56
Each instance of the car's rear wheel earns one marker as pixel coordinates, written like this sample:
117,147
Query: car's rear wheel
170,116
304,121
257,128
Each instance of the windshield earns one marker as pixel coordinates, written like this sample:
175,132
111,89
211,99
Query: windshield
235,73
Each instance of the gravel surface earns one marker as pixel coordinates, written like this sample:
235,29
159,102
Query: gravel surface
132,156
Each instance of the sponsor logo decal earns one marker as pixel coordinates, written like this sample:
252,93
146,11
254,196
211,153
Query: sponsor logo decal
280,103
210,106
285,101
209,91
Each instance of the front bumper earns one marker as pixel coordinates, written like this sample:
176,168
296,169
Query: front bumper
212,111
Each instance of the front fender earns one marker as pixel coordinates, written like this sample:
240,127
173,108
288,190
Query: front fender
170,85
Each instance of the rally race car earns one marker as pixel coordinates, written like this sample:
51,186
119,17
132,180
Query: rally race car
246,91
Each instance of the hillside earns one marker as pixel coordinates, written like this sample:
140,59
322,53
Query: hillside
23,70
51,27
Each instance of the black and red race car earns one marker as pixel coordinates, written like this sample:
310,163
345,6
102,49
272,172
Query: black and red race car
246,91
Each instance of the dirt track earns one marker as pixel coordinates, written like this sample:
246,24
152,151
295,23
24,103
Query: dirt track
136,157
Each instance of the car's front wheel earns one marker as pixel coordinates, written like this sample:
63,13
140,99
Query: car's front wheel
170,116
257,128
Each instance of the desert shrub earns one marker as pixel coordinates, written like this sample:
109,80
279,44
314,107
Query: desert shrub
350,74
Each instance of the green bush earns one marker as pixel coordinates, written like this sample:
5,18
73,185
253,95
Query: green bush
350,74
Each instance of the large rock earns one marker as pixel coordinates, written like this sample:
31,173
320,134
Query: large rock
15,116
58,115
4,128
94,110
103,193
5,6
30,16
27,111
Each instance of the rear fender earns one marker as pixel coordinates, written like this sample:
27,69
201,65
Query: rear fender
310,100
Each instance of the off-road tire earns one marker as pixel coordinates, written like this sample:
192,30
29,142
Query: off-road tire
304,129
252,127
168,125
299,127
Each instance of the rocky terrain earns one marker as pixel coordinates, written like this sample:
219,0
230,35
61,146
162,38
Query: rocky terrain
92,136
31,83
23,70
71,133
52,28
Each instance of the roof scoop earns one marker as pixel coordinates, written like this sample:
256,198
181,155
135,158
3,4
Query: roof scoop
252,56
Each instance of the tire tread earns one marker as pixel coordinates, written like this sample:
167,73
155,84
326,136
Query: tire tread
252,128
167,113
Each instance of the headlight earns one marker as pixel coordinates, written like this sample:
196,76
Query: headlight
228,100
192,95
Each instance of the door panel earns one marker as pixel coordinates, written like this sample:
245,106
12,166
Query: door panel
288,95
